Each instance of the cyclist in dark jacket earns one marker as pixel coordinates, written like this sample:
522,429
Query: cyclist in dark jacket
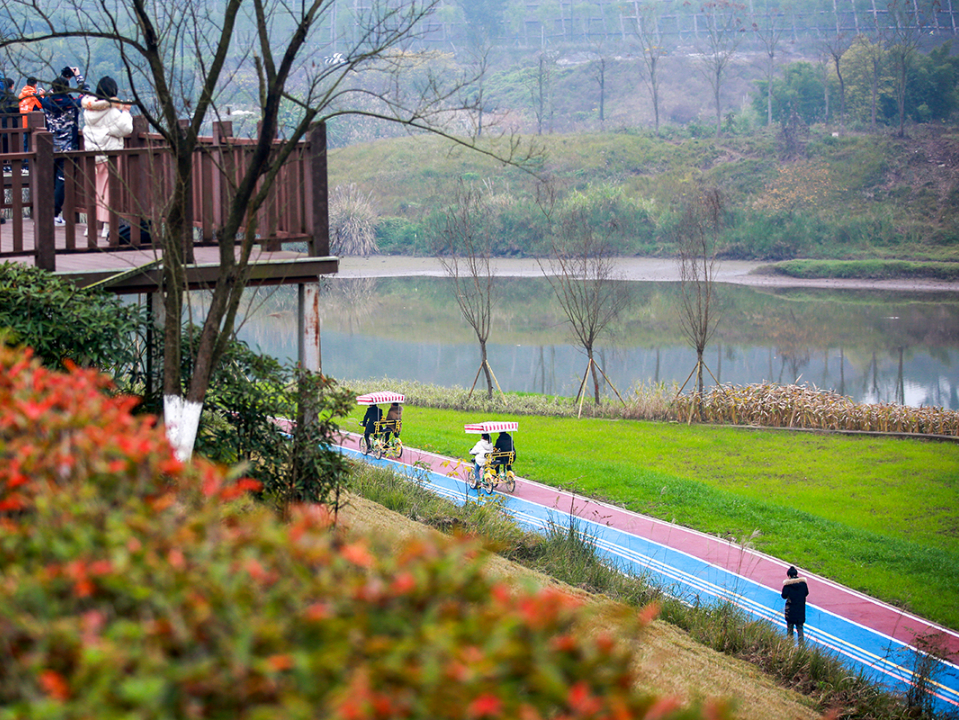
373,415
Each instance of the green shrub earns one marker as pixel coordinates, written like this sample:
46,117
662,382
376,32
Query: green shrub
249,393
92,328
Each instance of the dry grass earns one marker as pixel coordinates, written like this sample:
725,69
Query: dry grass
670,662
794,406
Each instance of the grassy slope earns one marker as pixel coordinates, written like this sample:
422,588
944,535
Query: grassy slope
844,194
671,663
878,515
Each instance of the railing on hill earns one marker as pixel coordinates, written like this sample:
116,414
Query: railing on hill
140,185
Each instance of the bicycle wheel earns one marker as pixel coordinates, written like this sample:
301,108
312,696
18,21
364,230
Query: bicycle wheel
378,449
488,482
510,481
398,449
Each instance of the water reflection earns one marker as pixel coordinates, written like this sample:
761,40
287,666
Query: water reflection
874,347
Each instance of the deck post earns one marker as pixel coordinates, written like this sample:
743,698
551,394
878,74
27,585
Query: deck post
41,198
308,326
318,193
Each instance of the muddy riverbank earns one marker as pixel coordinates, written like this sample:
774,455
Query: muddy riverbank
638,269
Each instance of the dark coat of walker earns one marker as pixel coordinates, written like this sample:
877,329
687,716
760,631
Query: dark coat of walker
795,591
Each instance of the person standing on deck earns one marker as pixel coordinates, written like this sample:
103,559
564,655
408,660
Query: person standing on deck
62,113
106,121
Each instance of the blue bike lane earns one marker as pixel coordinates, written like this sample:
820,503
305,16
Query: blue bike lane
870,636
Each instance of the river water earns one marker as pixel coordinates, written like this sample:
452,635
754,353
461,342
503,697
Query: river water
874,346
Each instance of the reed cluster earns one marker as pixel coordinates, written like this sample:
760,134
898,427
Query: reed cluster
799,406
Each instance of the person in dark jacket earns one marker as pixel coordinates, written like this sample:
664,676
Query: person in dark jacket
62,113
504,443
9,108
373,415
795,591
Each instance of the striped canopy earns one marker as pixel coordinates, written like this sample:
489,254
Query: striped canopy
376,398
491,426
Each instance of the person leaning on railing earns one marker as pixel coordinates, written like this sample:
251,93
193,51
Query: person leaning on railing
106,121
9,107
61,111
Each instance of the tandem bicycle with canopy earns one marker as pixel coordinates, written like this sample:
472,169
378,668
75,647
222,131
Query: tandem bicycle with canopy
498,469
382,433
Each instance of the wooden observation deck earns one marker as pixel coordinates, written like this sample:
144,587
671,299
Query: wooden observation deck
293,246
293,225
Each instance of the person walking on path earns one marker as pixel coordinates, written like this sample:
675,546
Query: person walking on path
106,122
795,591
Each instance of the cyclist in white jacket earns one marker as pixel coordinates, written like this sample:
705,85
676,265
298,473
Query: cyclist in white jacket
481,449
106,122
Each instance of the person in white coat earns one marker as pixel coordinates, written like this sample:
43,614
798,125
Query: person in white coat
481,449
106,122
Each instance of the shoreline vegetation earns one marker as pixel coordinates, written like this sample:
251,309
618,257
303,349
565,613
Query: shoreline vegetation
855,197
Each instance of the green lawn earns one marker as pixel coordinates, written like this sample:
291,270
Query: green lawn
878,515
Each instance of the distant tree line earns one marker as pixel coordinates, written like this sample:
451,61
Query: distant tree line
811,90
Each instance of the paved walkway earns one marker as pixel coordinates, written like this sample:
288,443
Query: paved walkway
871,635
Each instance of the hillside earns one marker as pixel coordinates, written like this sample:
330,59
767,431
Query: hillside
673,663
849,197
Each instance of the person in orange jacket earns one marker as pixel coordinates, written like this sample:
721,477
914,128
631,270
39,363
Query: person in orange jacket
29,102
29,97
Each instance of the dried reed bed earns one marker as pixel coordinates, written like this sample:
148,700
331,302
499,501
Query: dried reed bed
800,406
758,405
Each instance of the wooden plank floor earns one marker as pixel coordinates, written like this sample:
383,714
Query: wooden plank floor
272,267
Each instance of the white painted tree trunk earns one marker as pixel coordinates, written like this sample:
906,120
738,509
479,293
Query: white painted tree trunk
181,418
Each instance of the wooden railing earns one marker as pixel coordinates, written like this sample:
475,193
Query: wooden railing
141,183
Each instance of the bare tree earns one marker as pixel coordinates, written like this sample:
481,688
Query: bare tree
184,61
835,47
541,92
902,44
599,75
701,222
770,35
463,246
724,32
581,269
652,48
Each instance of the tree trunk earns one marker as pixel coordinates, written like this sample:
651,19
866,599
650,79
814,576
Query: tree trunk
486,372
181,416
592,367
699,370
719,110
655,87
